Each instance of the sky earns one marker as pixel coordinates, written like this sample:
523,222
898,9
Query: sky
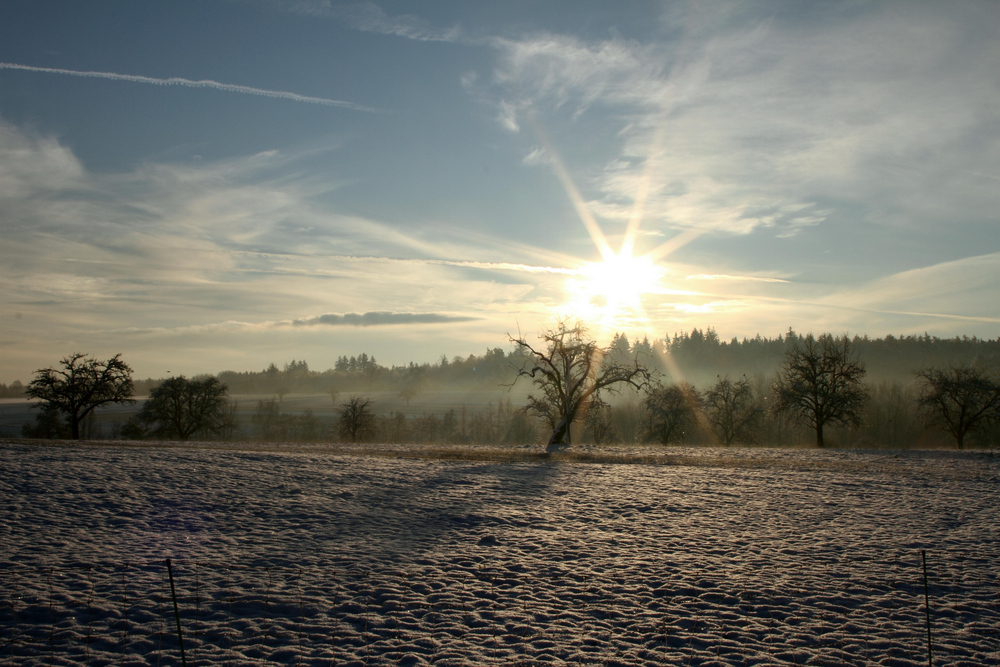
219,185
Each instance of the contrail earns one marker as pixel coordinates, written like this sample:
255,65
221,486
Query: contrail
724,276
204,83
469,264
504,266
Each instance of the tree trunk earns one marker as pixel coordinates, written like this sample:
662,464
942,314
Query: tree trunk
560,435
819,435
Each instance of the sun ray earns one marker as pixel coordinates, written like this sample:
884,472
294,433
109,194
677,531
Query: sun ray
670,246
638,208
595,231
674,371
611,291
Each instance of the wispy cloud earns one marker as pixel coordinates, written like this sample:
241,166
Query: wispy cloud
369,17
536,156
197,253
369,319
506,266
191,83
723,276
671,147
211,328
375,319
962,289
711,306
745,122
507,116
304,264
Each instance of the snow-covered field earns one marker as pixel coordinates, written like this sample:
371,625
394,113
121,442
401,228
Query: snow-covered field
307,556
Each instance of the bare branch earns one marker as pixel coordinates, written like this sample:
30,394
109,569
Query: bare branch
821,382
569,372
82,385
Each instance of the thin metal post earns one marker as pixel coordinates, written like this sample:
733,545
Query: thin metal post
927,610
177,613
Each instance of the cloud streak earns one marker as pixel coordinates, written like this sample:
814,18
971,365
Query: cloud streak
723,276
381,318
191,83
369,17
369,319
966,284
505,266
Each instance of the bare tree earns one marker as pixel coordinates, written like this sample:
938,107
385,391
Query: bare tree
961,399
356,419
82,385
180,408
598,422
671,412
407,393
491,425
267,421
230,420
821,382
523,429
569,372
733,412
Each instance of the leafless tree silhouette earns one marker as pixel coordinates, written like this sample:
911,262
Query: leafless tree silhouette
732,411
960,399
821,382
671,412
82,385
570,372
180,408
356,419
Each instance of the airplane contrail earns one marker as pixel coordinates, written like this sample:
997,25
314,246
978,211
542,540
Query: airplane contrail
190,83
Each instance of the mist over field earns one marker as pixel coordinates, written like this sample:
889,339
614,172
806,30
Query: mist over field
480,399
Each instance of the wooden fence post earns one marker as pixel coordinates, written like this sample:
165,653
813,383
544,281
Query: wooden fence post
927,610
177,613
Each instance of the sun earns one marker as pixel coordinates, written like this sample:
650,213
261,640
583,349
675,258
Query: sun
611,291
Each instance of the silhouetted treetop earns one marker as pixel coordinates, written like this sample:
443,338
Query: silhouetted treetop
81,385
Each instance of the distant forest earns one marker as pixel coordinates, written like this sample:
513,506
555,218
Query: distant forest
698,357
703,390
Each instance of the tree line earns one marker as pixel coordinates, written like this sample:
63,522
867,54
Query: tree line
696,357
820,383
581,392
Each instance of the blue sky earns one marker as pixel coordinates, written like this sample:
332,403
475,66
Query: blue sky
206,185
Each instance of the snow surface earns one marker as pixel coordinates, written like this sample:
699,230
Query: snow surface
310,555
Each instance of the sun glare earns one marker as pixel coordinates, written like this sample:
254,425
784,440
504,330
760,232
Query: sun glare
611,291
609,294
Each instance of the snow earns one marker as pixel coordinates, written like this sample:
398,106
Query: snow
315,554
